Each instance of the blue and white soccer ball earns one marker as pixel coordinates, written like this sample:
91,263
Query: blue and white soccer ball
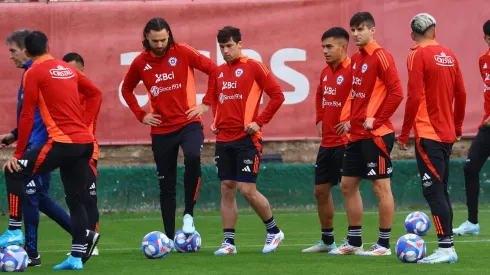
417,223
410,248
13,259
156,245
187,242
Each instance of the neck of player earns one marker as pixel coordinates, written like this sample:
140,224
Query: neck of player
337,62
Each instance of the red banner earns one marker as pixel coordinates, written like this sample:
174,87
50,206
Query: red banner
283,34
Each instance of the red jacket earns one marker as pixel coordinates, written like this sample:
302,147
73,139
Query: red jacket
485,75
236,98
170,84
435,87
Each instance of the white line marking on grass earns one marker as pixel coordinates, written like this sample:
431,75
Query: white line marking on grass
255,245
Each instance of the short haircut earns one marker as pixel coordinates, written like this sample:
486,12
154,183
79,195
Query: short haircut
69,57
18,37
486,28
228,32
36,43
336,32
362,18
422,22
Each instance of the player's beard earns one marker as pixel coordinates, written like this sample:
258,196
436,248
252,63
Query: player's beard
159,52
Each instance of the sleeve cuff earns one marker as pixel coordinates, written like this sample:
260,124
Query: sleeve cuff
403,139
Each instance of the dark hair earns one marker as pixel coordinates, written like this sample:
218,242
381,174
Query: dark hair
336,32
157,24
486,28
228,32
18,37
36,43
362,18
69,57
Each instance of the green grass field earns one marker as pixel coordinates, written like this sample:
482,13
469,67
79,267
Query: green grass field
122,234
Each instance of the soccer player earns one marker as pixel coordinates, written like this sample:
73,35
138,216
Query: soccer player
37,187
235,101
332,110
90,196
376,94
167,71
479,149
54,87
435,87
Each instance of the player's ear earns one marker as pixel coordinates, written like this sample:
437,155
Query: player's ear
373,30
412,35
239,44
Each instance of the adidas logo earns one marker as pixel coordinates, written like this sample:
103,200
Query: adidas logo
31,184
23,162
92,186
147,67
372,173
220,75
426,177
246,169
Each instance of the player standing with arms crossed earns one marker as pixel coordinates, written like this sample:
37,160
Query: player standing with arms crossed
376,94
90,196
54,87
479,149
235,100
167,71
435,87
332,110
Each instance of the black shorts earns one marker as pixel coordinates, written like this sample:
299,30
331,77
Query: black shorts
328,167
238,160
91,187
432,161
369,158
72,159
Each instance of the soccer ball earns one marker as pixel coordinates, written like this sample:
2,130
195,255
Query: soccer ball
156,245
417,223
410,248
187,242
13,259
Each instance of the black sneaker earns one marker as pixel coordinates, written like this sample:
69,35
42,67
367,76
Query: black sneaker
91,241
34,261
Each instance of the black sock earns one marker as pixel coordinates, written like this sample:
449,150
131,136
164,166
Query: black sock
14,224
327,236
384,237
229,235
16,194
271,226
445,242
355,233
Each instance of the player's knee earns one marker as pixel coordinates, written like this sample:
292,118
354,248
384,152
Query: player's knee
192,157
321,193
248,191
382,189
470,170
347,188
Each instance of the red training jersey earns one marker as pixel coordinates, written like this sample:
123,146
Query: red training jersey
435,85
484,63
54,86
170,83
236,97
376,91
92,127
333,102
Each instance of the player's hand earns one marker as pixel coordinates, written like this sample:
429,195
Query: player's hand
197,111
252,128
342,127
151,119
402,146
11,165
368,124
487,122
214,130
319,128
458,138
6,140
